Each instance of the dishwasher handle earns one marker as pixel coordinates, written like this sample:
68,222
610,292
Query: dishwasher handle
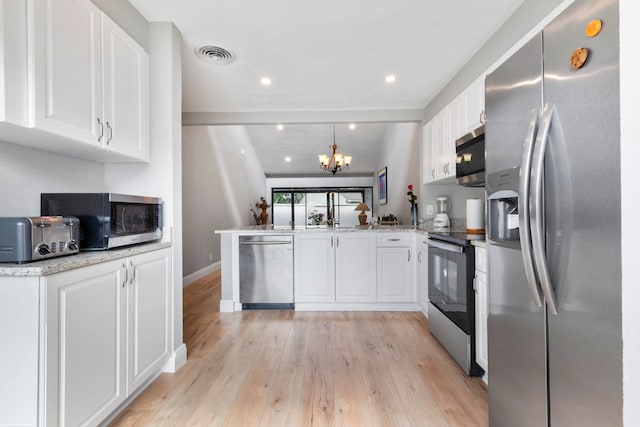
279,242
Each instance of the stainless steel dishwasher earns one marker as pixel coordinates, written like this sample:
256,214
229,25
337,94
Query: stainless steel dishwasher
266,272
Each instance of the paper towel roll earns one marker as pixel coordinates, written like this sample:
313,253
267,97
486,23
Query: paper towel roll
475,216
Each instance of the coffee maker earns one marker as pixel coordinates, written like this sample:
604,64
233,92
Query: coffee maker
442,217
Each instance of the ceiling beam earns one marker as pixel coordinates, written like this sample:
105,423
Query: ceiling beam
301,117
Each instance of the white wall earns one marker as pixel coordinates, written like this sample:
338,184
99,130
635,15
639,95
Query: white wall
219,185
401,154
457,196
26,172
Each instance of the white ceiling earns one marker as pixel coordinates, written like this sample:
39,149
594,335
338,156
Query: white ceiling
330,55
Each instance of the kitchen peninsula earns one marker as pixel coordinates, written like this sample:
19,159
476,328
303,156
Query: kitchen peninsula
340,268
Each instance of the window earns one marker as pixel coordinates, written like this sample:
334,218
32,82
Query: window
298,204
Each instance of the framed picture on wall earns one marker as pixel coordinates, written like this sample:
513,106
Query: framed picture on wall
382,186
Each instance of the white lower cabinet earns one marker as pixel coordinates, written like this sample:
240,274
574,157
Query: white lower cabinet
482,308
423,274
148,297
394,268
85,344
92,335
355,267
330,267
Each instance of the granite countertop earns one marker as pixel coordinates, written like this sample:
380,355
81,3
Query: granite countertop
71,262
263,229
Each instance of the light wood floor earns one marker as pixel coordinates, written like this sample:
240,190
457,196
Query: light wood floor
286,368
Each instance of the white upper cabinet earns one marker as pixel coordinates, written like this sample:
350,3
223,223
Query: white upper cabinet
72,81
68,69
125,99
91,79
474,106
464,114
13,64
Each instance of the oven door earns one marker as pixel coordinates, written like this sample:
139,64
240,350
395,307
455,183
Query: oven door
450,286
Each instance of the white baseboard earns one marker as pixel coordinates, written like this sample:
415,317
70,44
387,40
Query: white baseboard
227,306
176,360
189,279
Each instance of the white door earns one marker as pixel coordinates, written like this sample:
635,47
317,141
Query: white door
355,267
68,69
394,275
126,71
314,267
149,277
85,342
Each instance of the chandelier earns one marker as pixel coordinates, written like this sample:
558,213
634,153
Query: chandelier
334,162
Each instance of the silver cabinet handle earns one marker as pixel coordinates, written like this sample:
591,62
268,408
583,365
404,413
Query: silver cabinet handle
110,133
420,257
408,255
126,274
433,172
132,276
331,241
101,130
523,208
537,233
337,241
394,240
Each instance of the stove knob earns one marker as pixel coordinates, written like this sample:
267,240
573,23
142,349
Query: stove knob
43,249
72,246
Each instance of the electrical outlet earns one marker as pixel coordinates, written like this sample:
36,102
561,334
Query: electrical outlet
429,210
210,256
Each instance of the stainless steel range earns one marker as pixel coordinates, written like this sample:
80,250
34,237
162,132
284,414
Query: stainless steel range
451,296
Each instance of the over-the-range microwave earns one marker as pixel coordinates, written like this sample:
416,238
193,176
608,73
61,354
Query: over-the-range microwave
470,159
108,220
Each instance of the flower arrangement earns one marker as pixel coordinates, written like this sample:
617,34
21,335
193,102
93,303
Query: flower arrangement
316,217
413,199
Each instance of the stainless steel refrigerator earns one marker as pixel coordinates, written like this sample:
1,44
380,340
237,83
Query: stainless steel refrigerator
553,234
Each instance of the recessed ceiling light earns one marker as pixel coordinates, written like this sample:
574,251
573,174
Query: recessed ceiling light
352,126
287,159
390,78
265,81
280,127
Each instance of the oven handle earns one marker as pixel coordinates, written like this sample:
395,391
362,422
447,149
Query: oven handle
446,246
523,209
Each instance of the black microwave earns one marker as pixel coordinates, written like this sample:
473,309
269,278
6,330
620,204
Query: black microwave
470,159
108,220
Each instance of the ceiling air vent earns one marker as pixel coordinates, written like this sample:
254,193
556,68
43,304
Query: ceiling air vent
214,53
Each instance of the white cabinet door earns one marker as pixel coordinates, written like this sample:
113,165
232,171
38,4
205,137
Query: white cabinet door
149,276
442,136
126,71
429,154
482,308
394,281
67,66
474,105
423,274
314,268
13,64
85,344
355,267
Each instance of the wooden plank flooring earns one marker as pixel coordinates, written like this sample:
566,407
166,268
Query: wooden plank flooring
298,369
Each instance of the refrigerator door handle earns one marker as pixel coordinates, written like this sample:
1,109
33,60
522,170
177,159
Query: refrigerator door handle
523,208
537,234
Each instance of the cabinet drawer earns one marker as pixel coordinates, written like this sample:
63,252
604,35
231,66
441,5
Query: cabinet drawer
481,259
394,239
